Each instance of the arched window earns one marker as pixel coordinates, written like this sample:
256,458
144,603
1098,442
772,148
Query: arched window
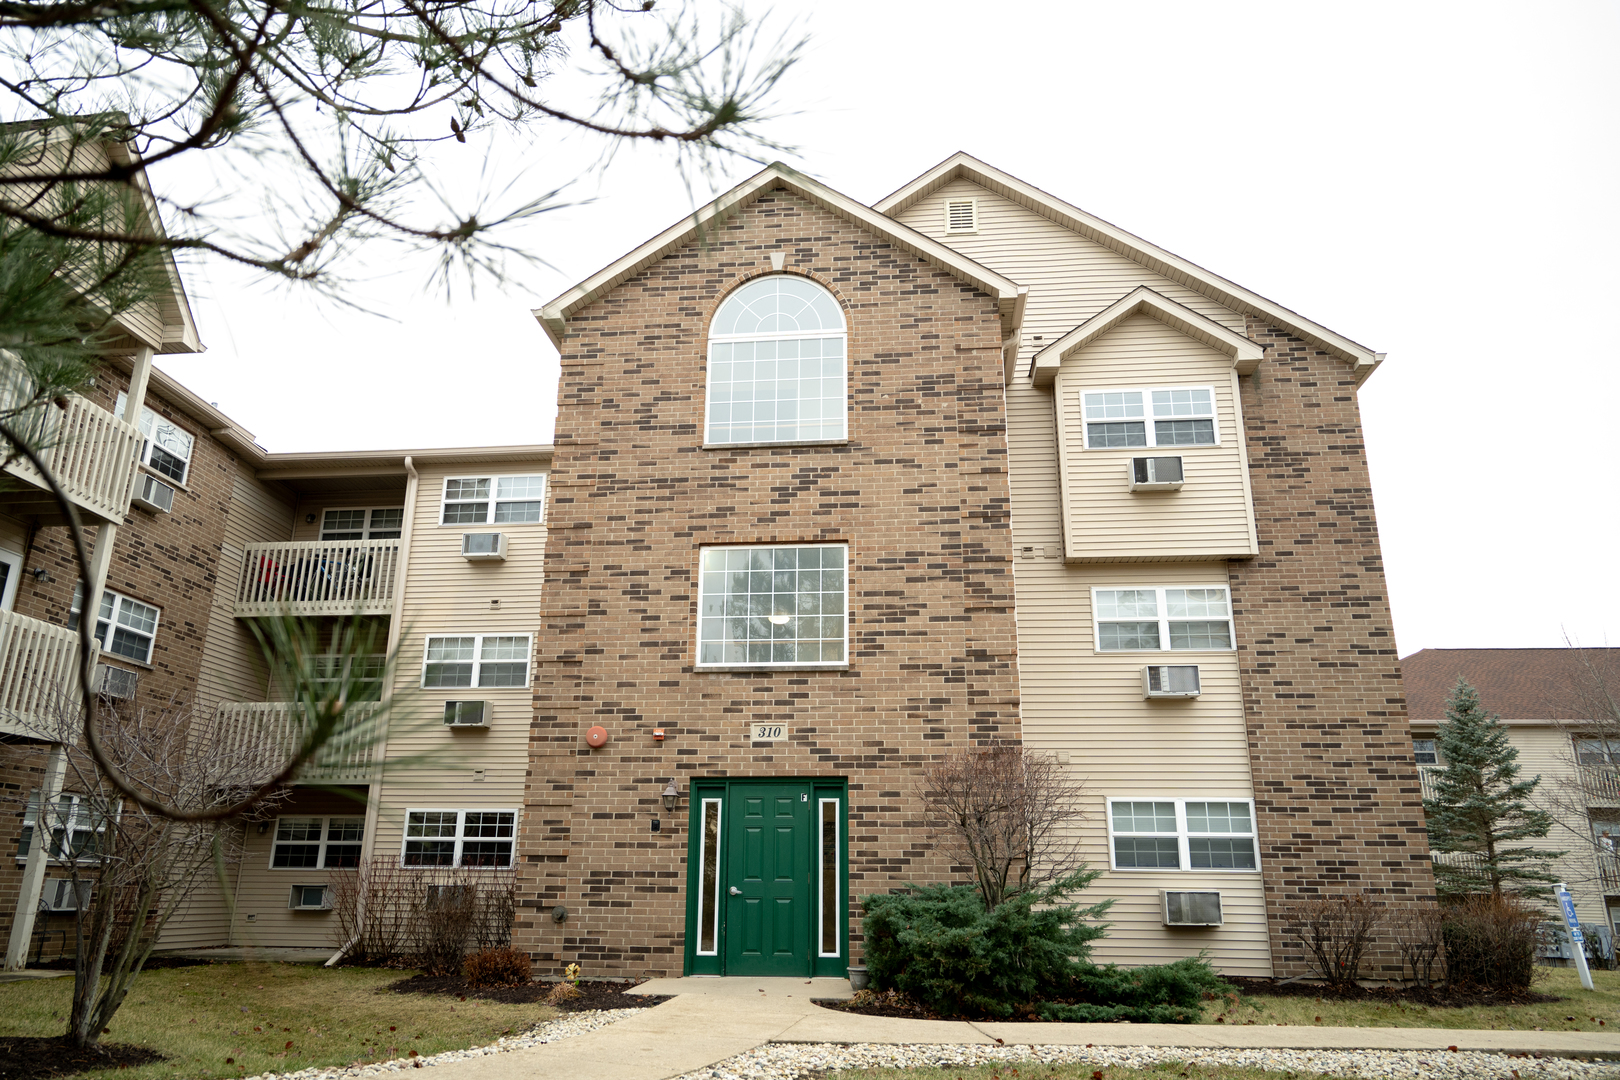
776,364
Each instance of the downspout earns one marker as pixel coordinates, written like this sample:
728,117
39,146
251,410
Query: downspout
380,746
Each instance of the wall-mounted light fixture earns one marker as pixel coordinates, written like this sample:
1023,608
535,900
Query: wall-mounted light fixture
309,519
671,796
264,827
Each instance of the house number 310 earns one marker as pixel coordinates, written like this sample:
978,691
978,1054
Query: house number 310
770,732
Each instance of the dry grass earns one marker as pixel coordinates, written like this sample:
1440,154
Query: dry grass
1030,1070
242,1019
1588,1007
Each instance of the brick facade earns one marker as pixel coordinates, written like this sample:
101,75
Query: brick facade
1336,790
919,492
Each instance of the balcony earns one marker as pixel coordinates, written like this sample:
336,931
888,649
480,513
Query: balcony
318,577
90,451
39,682
271,731
1601,784
1426,778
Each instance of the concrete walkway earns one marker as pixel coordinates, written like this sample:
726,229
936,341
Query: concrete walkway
710,1020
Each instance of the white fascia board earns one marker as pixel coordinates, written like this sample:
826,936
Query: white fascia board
1133,247
180,328
1245,354
553,316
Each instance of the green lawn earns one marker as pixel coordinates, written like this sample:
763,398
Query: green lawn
242,1019
1587,1007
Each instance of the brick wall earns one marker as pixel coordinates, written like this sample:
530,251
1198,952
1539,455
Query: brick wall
920,494
1336,789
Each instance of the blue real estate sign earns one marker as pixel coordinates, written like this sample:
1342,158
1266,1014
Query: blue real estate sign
1571,920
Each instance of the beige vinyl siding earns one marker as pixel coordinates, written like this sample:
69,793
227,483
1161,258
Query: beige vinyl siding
203,919
13,535
262,917
429,766
231,667
1079,704
1211,517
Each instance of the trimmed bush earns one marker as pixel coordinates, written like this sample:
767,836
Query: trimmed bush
1490,942
496,967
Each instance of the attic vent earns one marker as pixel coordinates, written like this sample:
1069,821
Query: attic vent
962,215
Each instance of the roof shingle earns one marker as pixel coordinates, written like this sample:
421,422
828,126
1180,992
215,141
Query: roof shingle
1517,684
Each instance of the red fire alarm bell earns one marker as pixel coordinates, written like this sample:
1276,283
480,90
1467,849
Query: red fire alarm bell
658,734
597,737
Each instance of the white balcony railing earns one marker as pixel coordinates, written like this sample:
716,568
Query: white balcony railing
318,577
90,451
39,675
1426,775
272,731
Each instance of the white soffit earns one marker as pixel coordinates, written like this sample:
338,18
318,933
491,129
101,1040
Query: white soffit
1155,258
1245,354
554,315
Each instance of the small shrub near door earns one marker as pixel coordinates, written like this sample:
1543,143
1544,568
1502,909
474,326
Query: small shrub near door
497,967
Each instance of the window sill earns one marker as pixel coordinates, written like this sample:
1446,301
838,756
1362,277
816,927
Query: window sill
163,477
770,667
116,659
788,444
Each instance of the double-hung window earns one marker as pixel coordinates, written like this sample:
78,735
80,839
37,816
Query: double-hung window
377,523
354,678
1154,416
1424,752
167,449
77,826
317,843
132,624
476,660
459,837
1597,751
776,364
1151,618
494,500
773,605
1182,834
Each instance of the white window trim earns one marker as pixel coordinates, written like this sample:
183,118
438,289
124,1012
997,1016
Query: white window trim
1182,835
719,873
68,825
793,335
1163,620
461,827
1434,743
478,659
149,419
369,511
838,866
326,827
1148,418
114,625
805,665
494,486
8,598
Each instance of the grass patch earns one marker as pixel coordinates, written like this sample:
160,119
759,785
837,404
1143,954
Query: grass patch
268,1018
1031,1070
1588,1007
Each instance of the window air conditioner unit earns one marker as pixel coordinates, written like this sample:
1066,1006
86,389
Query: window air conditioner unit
310,898
116,682
60,895
491,545
1170,680
468,713
1192,908
154,495
1156,473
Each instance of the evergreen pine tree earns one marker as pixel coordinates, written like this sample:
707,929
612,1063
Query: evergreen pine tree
1480,808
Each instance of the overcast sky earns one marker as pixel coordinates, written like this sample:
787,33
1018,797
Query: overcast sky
1436,181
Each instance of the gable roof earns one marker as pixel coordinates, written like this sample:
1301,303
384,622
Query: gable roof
554,315
1155,258
1517,684
1245,354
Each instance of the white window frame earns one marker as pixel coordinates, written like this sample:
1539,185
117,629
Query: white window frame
461,834
147,422
494,501
709,400
1610,751
368,528
1148,418
786,665
323,843
478,659
1163,620
8,596
70,825
1183,835
113,625
1434,750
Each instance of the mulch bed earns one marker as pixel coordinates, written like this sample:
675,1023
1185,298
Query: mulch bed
593,995
1408,995
40,1057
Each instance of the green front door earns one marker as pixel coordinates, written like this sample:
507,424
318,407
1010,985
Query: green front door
769,879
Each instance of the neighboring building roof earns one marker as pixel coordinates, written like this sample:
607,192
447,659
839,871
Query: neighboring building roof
1516,684
1157,259
554,315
